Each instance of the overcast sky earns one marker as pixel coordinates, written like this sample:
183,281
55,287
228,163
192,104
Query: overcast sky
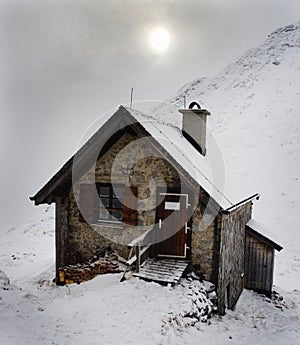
64,62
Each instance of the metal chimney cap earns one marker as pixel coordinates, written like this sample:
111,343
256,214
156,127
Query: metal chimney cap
195,111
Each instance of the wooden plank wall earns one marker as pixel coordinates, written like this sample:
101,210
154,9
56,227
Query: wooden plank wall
259,263
61,233
232,256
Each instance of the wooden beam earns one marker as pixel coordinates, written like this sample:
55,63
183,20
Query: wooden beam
138,258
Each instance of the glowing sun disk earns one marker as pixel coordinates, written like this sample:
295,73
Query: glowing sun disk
159,39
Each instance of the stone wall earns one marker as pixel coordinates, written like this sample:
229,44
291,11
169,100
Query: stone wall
147,174
149,171
82,272
204,238
202,246
202,252
232,250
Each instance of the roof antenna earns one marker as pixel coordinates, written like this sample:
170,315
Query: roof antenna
131,96
184,102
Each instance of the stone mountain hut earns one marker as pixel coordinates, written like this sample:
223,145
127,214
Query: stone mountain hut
144,183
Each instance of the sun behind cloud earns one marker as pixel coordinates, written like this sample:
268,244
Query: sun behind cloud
159,39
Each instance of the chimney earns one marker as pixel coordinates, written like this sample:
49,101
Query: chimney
194,126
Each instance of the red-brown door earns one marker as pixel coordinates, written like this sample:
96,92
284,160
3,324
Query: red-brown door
171,219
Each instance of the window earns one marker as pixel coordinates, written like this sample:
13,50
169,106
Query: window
110,202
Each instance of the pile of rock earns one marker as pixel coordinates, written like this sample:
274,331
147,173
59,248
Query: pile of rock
202,299
276,299
82,272
198,302
4,281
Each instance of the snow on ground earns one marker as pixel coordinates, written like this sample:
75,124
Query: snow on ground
105,311
29,248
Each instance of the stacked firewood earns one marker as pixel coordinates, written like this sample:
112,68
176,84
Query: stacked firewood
82,272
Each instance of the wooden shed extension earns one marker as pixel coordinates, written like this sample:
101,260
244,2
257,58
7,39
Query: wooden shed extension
259,261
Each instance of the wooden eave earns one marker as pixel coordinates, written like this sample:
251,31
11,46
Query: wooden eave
263,238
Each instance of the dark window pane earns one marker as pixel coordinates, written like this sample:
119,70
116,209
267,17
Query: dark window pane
104,202
116,203
104,191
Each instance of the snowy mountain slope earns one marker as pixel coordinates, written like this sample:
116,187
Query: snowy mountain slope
255,106
28,249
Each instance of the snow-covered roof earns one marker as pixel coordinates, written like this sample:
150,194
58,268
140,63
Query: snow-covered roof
263,233
208,171
164,126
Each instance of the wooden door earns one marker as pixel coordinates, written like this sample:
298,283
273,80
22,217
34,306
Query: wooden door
172,229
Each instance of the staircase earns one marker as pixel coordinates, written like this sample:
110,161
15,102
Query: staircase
163,271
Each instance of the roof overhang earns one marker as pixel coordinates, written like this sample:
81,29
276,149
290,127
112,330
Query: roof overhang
240,203
262,238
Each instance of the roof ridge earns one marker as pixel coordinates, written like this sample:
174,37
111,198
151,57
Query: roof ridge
156,119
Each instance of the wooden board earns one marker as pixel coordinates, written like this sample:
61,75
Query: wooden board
163,271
